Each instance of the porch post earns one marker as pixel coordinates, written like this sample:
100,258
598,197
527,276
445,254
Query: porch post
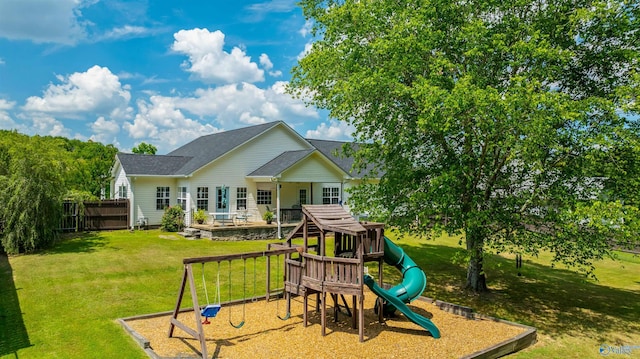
132,209
278,210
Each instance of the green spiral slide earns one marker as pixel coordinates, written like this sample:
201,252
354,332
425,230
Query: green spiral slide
414,281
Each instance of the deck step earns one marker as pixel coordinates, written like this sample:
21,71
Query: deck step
190,233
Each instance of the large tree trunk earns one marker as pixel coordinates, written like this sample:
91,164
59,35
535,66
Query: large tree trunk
476,279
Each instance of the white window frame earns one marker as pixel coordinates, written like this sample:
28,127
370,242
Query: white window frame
241,198
122,191
163,197
202,198
263,196
330,195
182,197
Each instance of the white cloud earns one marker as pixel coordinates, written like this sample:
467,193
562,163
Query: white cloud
104,130
43,21
6,122
209,62
6,104
166,121
41,124
268,65
258,11
266,62
245,104
273,6
306,29
336,130
162,123
97,91
127,31
1,61
307,49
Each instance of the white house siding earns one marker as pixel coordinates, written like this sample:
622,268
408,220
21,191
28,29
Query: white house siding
120,179
232,168
145,197
312,169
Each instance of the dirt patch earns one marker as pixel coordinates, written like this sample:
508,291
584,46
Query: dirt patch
264,335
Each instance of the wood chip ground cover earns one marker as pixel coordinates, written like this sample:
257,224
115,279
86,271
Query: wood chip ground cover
264,335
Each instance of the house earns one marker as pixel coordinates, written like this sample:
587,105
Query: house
252,169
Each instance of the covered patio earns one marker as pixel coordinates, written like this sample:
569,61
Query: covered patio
298,178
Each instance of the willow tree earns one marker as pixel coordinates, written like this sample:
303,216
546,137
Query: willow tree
489,114
31,191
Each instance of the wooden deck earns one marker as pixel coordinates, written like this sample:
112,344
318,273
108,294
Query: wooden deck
242,231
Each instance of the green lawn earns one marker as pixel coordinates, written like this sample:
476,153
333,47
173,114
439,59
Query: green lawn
62,303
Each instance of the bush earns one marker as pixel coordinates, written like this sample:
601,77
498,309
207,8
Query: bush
172,219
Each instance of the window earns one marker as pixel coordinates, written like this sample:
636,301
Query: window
162,198
202,200
263,196
241,197
330,195
122,191
182,197
303,197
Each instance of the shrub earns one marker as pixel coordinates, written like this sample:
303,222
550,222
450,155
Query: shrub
172,219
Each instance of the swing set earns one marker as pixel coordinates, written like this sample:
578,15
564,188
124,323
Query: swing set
211,310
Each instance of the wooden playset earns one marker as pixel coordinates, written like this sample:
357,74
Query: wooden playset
309,270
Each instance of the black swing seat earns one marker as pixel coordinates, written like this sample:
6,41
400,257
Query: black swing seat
210,310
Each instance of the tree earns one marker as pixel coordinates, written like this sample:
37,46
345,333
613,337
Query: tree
31,193
145,149
490,114
90,170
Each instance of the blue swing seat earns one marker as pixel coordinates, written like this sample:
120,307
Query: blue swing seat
210,310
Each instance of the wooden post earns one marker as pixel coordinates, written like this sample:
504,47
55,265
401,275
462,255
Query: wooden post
179,301
196,313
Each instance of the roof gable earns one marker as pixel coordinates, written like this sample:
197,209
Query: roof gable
333,151
206,149
279,164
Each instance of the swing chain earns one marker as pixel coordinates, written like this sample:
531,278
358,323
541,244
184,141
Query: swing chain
255,298
244,295
288,314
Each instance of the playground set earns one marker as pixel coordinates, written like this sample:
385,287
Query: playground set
308,270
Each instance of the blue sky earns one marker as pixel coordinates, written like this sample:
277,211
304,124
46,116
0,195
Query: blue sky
156,71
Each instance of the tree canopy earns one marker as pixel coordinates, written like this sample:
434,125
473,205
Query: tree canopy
487,118
145,149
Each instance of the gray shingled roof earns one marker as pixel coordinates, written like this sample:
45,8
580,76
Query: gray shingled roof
194,155
279,164
207,148
135,164
333,151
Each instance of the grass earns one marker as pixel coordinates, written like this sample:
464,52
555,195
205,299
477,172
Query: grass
62,303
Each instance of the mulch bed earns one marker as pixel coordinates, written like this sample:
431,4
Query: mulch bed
264,335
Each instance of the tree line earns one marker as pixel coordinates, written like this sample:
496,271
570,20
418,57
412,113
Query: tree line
36,174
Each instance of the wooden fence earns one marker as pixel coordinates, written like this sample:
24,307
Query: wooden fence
95,215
